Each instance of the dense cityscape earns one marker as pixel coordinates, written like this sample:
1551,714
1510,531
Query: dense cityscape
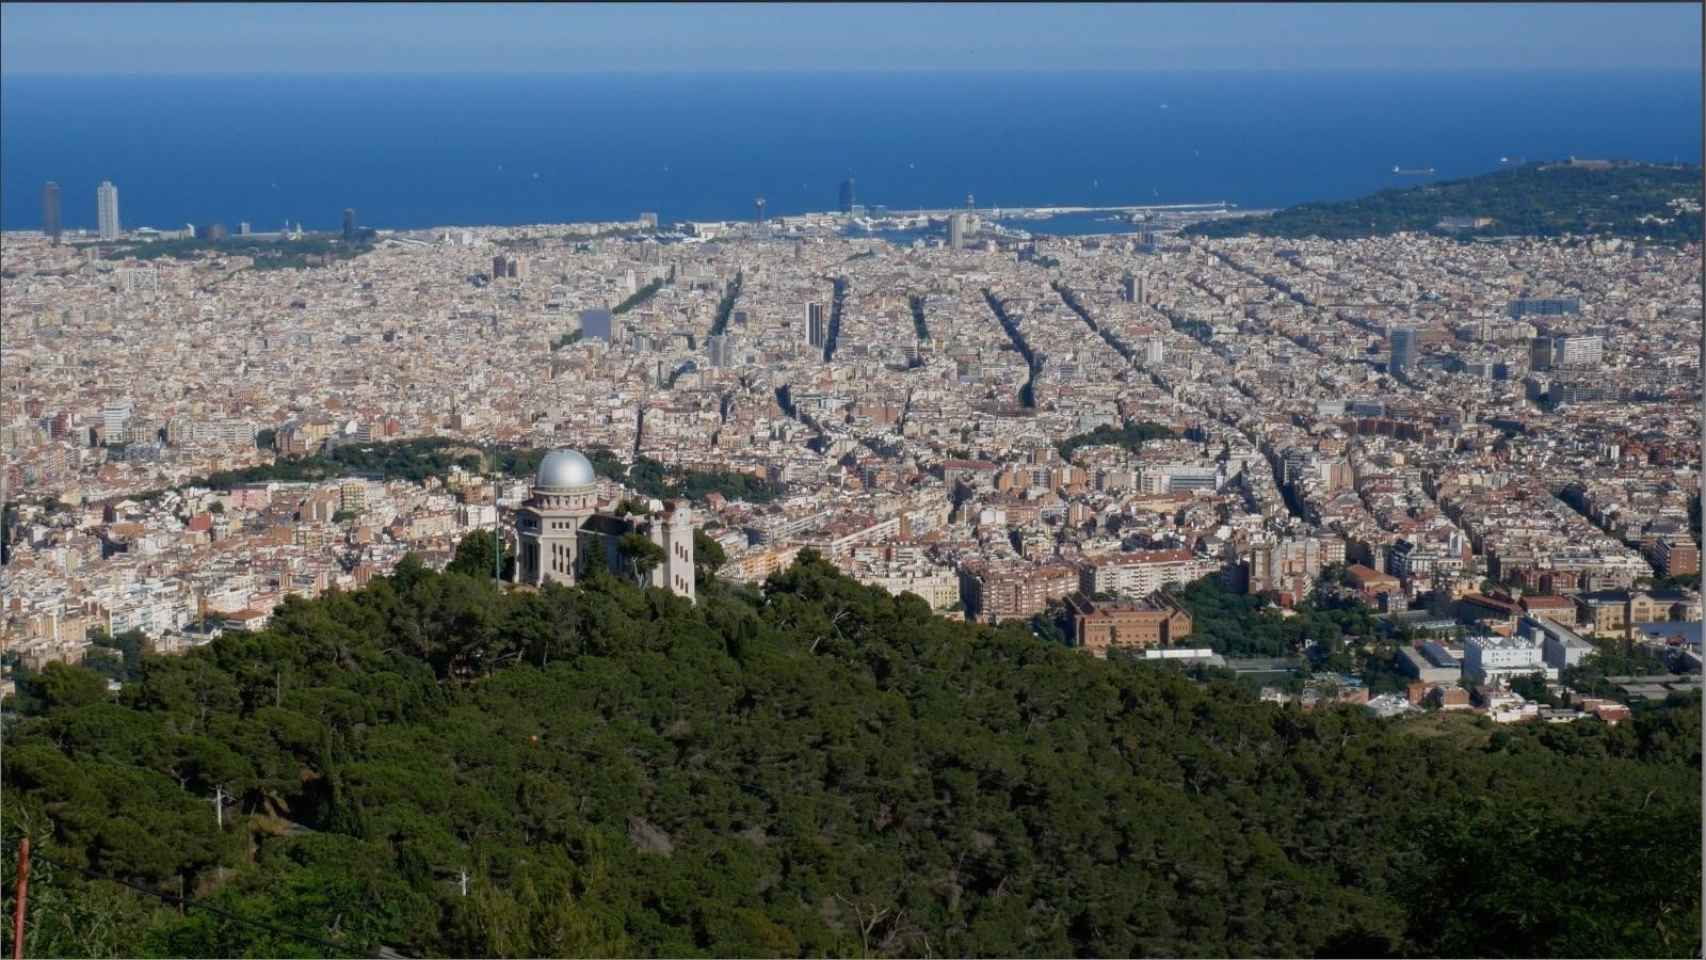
1476,441
851,480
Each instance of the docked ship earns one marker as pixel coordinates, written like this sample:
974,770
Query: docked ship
1400,171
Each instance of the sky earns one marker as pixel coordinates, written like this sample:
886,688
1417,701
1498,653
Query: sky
549,38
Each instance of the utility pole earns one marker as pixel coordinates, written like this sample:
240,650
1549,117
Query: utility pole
23,893
497,522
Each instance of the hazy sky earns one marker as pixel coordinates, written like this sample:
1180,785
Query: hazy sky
401,38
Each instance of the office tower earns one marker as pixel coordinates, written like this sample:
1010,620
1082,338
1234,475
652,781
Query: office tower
115,419
1543,307
847,195
722,347
740,318
957,231
50,211
971,204
649,220
517,268
1552,353
1578,351
1154,352
596,323
1129,293
1404,346
242,228
816,326
214,231
349,224
1540,353
106,210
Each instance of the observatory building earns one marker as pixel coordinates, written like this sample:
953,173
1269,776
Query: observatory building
561,534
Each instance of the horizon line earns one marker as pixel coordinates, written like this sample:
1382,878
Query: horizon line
861,71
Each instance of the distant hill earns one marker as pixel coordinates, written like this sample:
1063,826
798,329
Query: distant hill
1543,199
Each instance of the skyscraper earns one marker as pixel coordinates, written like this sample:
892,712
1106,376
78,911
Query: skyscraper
957,231
50,211
1540,353
722,347
349,224
106,210
1403,349
847,195
1557,352
817,328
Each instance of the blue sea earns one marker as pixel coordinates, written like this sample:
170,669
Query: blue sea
422,151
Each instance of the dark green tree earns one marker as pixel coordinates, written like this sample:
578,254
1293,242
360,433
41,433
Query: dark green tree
641,553
708,558
474,556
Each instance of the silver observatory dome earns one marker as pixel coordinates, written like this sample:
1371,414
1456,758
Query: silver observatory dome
565,469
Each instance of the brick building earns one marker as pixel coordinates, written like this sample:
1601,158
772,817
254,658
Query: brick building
1100,627
1677,557
1371,583
1014,591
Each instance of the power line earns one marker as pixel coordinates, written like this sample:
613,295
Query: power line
339,949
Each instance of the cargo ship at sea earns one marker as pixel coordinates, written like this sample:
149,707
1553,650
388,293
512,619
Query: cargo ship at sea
1402,172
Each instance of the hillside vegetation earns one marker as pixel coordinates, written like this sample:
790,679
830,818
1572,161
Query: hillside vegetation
814,768
1536,199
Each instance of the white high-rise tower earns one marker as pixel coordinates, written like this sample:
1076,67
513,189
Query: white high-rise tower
106,210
